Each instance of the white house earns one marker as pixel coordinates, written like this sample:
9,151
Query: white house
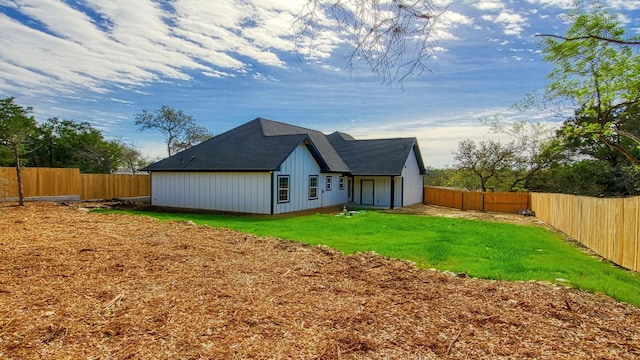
268,167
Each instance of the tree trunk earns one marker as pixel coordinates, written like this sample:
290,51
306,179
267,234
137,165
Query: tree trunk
16,154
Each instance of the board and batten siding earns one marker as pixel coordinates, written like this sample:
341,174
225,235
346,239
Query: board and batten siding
413,182
248,192
299,166
381,190
408,188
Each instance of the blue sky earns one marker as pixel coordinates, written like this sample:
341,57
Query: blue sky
226,62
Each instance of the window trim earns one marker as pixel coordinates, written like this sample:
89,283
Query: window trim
313,187
329,181
341,183
283,190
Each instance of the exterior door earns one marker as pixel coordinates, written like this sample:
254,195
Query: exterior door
366,192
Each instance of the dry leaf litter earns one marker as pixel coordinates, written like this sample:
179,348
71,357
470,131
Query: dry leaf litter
82,285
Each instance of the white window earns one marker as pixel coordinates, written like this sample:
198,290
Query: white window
283,188
329,180
341,183
313,187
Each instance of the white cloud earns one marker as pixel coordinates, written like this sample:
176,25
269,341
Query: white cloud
448,22
63,47
629,5
513,23
489,5
562,4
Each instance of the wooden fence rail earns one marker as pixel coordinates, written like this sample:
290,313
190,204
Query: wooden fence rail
507,202
609,227
50,182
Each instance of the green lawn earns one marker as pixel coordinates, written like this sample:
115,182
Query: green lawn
481,249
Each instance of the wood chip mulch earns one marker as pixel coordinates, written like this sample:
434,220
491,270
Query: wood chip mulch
81,285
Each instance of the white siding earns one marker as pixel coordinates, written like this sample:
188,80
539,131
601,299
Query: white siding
408,188
335,196
381,190
299,166
251,192
234,191
399,191
413,181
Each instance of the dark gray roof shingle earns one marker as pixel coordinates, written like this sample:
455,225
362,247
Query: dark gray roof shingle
259,145
375,157
263,145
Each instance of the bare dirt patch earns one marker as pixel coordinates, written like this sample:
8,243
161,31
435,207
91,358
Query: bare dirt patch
75,284
432,210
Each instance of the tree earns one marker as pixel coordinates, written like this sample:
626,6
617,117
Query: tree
623,174
393,38
598,70
535,148
16,127
487,160
68,143
132,158
179,129
193,135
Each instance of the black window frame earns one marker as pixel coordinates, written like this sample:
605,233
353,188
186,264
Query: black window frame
286,190
313,187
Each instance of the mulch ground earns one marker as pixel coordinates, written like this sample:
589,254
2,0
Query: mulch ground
81,285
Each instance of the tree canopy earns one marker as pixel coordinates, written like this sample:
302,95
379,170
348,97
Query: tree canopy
68,143
597,69
179,129
16,128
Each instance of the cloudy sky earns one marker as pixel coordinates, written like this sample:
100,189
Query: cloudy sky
226,62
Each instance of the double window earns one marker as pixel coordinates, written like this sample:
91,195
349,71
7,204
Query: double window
283,188
313,187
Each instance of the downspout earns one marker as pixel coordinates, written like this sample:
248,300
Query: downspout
393,191
273,183
150,187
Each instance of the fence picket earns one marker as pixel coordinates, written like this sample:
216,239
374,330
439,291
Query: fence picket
609,227
46,182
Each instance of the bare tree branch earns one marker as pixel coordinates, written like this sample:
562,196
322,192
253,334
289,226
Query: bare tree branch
593,37
395,39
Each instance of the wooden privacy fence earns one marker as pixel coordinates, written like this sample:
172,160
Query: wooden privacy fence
610,227
53,182
508,202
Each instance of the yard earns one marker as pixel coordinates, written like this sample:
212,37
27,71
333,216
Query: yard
77,284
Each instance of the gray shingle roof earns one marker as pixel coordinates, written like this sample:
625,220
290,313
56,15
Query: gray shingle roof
263,145
376,157
259,145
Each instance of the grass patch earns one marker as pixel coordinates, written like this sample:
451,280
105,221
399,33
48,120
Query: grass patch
481,249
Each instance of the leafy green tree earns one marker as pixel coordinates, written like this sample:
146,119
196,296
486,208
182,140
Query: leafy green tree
589,177
16,127
535,148
437,177
179,129
132,158
487,160
597,69
67,143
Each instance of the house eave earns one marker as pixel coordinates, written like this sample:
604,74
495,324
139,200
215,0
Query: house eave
212,170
